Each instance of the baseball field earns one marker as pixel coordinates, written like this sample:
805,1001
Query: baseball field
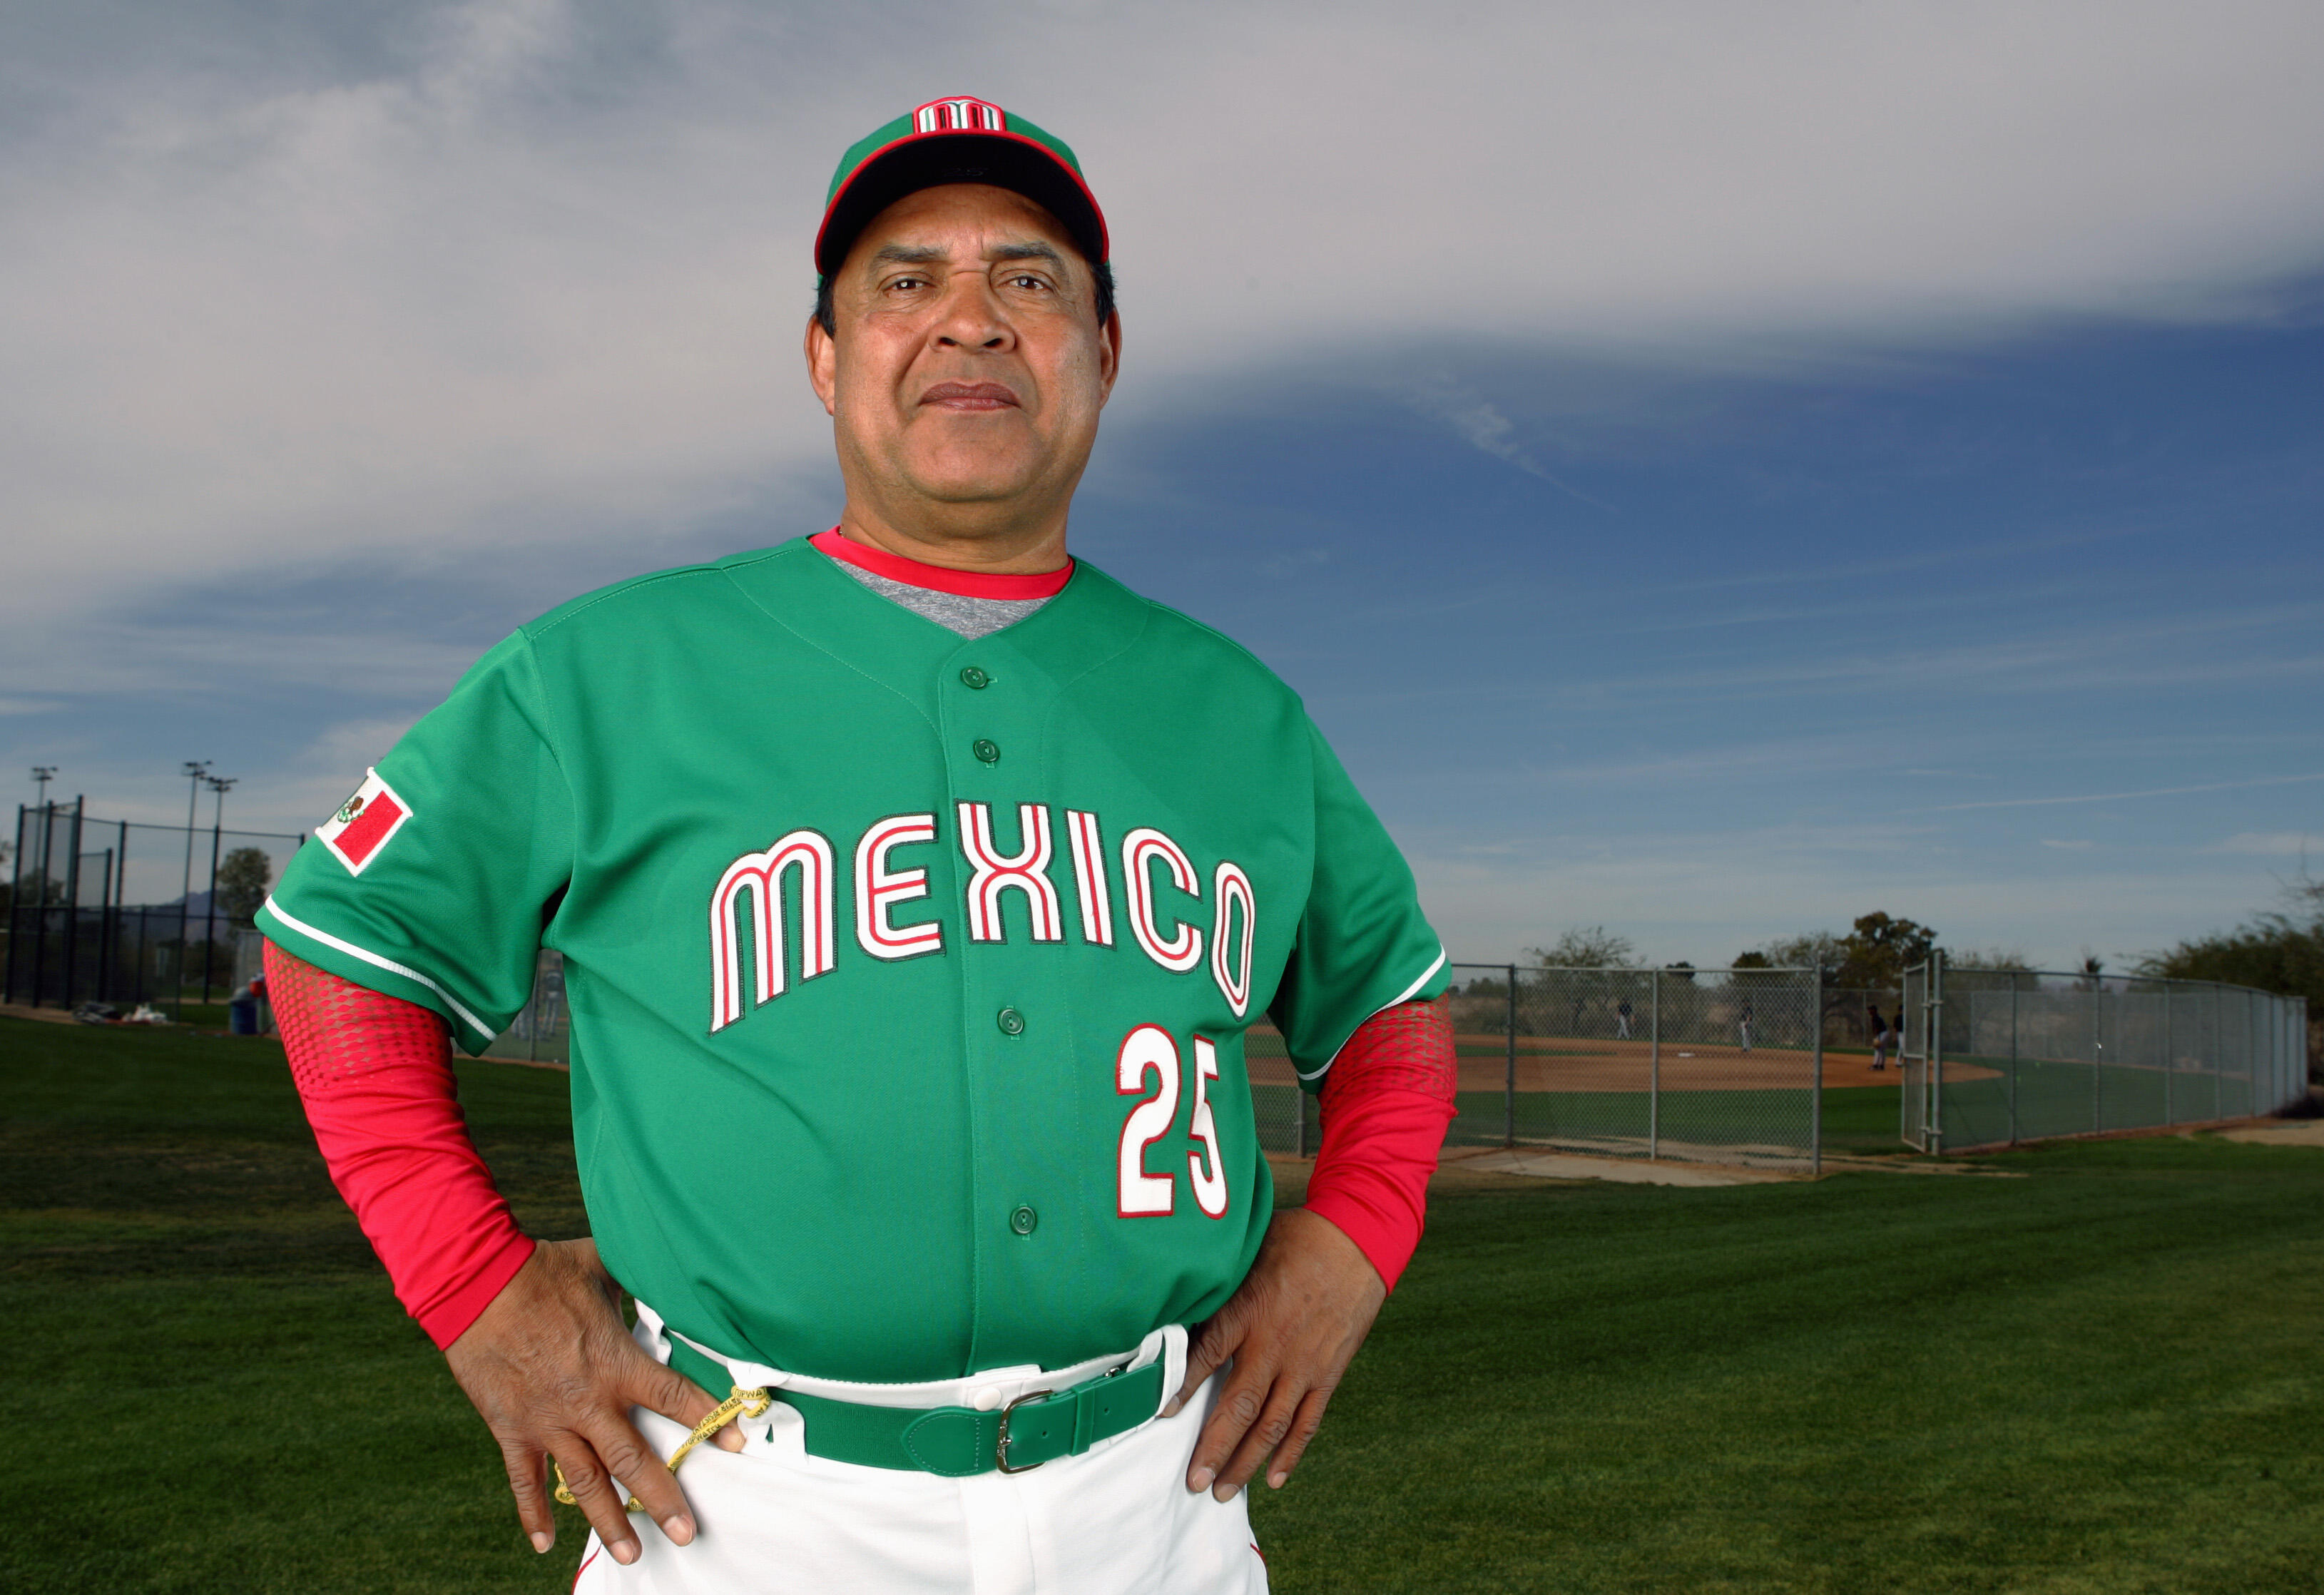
2089,1367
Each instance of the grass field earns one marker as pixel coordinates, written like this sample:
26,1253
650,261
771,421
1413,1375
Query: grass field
2100,1376
1988,1100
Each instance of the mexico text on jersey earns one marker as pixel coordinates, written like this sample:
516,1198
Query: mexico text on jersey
762,896
911,978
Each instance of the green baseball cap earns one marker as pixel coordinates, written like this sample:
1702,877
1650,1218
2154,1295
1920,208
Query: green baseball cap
959,139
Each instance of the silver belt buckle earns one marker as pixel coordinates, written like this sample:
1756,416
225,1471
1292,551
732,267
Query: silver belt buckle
1001,1441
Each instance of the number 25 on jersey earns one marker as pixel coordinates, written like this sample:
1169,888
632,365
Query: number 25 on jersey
1149,1051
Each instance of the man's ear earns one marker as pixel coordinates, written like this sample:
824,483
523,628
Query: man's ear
1109,342
823,365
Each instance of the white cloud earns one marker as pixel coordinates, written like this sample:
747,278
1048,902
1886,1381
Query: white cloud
2200,786
2275,844
183,655
320,778
1480,424
525,272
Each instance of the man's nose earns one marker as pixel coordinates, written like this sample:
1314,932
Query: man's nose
971,317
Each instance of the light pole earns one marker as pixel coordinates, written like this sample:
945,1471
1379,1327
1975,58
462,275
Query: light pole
42,774
220,785
195,769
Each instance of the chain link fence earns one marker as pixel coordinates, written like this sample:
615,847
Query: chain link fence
1772,1068
1993,1057
541,1032
1707,1064
1717,1065
123,912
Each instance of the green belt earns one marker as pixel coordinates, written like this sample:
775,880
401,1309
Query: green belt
1038,1427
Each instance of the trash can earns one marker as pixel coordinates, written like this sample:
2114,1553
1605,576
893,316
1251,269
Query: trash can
242,1012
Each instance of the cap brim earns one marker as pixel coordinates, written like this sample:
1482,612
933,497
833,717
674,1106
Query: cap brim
1005,160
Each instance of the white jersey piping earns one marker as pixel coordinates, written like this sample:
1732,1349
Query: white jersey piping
392,967
1404,996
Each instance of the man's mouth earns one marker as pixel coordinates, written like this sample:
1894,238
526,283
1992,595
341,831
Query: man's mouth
967,396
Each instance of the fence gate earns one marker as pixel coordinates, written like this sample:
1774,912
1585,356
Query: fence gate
1920,1121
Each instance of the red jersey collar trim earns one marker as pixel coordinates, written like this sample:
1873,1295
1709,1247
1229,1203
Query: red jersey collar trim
961,584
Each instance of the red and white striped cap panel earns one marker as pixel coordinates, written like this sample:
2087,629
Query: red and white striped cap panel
960,116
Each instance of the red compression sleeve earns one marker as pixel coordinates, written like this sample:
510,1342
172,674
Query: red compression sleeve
375,1075
1386,1103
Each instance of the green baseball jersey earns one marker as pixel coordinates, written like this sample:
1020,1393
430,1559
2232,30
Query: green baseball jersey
909,975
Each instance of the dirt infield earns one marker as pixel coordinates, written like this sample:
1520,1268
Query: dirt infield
1588,1063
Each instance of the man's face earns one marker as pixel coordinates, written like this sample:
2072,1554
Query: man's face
969,366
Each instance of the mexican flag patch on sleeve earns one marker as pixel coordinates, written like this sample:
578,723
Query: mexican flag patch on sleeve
364,824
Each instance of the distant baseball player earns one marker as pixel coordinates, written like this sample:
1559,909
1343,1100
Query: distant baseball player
915,885
1878,1028
1622,1019
1743,1025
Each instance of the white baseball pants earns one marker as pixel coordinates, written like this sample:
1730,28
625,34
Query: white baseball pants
772,1520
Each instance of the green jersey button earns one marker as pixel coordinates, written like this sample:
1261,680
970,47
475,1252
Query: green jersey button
971,676
986,748
1010,1021
1023,1221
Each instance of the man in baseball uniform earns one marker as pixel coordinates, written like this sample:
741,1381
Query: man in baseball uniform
917,885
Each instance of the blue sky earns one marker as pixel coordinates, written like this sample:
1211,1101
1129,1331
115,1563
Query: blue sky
1710,483
2016,642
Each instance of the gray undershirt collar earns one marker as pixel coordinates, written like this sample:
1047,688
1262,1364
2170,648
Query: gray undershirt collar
971,617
